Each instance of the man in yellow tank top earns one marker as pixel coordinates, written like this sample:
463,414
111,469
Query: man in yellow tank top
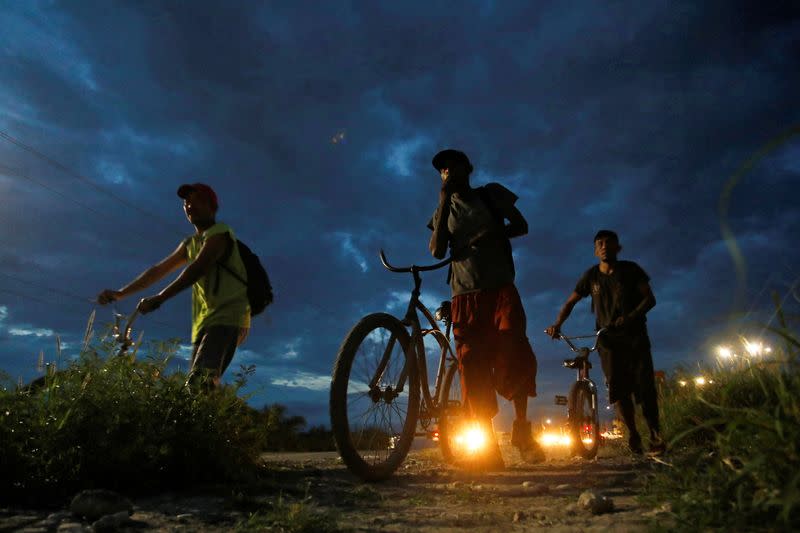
220,309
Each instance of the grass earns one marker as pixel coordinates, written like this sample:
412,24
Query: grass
302,516
735,443
119,423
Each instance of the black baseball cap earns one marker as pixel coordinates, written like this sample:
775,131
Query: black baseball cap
443,158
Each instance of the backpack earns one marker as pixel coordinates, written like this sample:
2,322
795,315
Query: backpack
483,194
259,289
498,218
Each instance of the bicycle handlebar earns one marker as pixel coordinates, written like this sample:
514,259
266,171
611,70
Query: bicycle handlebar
574,348
413,268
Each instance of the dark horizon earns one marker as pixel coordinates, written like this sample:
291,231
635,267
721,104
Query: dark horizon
316,124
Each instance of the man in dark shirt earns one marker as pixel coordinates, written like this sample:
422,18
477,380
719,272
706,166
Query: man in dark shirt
494,353
621,297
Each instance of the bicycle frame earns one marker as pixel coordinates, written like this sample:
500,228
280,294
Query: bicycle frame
582,365
430,402
124,336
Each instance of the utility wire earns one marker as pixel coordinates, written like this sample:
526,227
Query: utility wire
171,327
15,173
75,175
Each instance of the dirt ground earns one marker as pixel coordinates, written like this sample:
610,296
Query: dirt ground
315,492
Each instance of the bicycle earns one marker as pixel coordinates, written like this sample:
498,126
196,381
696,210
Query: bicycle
380,388
583,418
123,336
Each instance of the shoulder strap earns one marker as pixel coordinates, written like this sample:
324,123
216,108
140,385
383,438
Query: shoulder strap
487,200
484,195
223,260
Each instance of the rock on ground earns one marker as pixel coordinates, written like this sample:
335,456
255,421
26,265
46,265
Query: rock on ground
97,503
595,502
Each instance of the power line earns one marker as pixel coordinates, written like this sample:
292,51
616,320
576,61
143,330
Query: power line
65,169
172,327
16,173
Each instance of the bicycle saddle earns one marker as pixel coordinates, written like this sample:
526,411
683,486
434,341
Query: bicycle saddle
443,313
576,363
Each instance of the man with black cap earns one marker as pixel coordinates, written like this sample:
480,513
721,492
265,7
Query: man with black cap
489,323
220,308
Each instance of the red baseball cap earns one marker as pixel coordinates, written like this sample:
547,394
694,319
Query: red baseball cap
187,188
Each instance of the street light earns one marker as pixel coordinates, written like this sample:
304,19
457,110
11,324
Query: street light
700,381
724,352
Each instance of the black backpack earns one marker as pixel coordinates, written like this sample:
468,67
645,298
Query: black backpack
259,289
483,194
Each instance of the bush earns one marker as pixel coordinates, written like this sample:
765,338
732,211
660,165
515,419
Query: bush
118,423
736,444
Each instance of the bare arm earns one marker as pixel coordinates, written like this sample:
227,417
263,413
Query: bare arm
566,309
441,236
150,276
648,302
211,252
517,226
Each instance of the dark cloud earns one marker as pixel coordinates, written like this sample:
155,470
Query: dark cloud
618,115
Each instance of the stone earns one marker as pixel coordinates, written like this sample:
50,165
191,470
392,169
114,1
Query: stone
111,522
97,503
535,488
71,527
58,517
595,503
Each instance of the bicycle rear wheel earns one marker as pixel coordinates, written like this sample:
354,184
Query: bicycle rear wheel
452,414
374,402
584,421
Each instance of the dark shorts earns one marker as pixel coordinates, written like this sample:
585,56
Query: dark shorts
214,349
628,366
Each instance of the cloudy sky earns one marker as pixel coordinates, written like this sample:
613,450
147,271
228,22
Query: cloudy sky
316,123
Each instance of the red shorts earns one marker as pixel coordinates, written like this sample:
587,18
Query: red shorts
493,350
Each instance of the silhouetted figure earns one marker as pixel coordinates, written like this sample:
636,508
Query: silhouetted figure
220,308
489,323
621,297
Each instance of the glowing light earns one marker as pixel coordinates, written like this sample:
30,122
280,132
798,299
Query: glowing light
587,440
724,352
611,435
472,439
682,383
768,349
700,381
548,421
554,439
753,348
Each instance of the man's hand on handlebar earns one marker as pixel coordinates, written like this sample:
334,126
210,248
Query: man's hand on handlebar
149,304
108,296
554,331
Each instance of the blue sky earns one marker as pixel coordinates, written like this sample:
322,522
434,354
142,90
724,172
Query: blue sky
316,123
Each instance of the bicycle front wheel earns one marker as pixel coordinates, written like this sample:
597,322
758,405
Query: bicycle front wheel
374,401
584,421
452,414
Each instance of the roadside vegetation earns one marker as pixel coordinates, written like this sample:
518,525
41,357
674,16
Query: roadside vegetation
128,424
735,441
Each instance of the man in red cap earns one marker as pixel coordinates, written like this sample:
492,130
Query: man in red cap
489,323
220,308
